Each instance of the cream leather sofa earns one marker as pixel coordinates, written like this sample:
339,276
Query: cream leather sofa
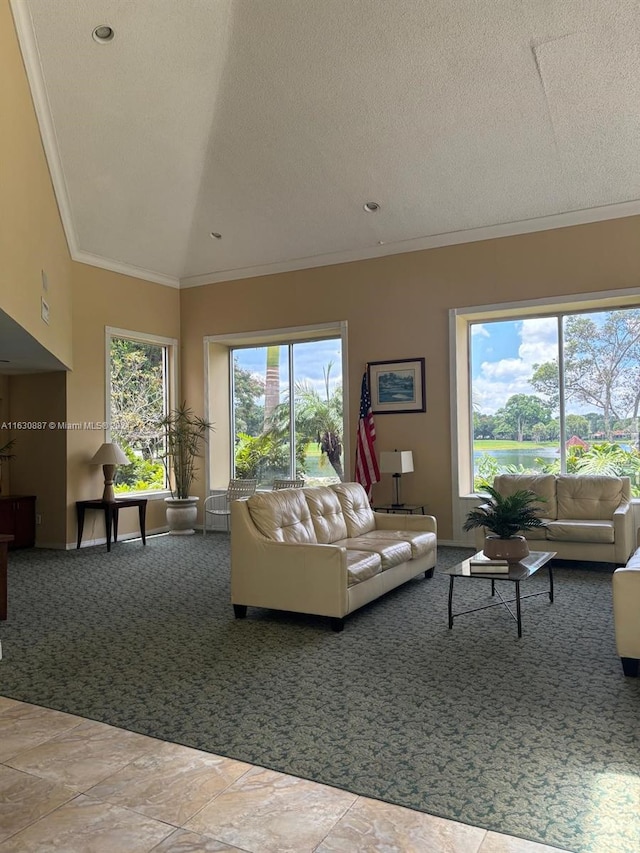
626,613
587,517
323,550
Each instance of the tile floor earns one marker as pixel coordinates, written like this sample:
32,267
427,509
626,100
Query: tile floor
71,785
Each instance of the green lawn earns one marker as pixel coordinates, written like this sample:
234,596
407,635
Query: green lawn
504,444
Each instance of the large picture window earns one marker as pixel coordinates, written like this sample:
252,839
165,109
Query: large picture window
556,393
138,398
287,411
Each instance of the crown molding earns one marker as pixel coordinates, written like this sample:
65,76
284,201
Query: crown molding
125,269
33,66
417,244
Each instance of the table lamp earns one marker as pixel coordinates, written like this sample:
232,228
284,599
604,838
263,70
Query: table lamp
109,455
396,462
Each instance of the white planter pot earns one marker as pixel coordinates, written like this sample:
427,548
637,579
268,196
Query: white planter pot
181,515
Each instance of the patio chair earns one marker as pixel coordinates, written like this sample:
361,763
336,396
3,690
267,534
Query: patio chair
220,505
287,484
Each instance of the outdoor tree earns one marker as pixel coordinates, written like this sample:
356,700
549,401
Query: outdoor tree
137,406
520,414
576,425
484,426
272,385
319,418
248,389
601,366
137,394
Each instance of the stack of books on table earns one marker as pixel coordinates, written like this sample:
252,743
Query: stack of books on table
480,563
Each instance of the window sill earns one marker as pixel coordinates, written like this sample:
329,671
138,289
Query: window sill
154,495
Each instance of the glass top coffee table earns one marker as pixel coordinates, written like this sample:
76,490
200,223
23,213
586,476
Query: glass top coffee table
517,573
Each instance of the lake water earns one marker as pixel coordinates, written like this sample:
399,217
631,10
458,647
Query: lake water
525,456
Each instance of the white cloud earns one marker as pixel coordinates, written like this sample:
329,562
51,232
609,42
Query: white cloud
479,329
499,380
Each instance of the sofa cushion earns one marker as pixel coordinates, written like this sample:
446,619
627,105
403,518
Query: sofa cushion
362,565
579,530
391,553
356,509
326,514
536,532
283,516
589,497
421,543
543,485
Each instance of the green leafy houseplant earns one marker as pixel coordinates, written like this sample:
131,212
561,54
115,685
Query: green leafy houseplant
185,434
506,515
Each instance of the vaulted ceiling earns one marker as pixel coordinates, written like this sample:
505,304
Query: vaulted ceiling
273,122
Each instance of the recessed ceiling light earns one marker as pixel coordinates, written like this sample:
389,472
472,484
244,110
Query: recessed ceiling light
371,206
103,34
215,236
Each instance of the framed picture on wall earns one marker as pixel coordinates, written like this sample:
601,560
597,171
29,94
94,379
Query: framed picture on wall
397,387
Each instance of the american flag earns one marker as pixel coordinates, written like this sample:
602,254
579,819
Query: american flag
367,471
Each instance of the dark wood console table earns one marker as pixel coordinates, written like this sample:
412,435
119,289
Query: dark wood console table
111,510
5,538
18,518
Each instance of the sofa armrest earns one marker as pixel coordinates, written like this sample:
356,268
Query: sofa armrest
402,521
626,610
306,578
623,533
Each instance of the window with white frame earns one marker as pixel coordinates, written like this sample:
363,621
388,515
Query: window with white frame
284,406
140,374
550,392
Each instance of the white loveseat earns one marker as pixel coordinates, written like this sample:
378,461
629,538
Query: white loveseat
626,613
587,518
322,550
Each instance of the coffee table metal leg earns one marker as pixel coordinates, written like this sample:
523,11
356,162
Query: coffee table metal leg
550,583
518,613
451,601
493,587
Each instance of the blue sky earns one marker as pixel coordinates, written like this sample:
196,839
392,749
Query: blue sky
309,359
503,355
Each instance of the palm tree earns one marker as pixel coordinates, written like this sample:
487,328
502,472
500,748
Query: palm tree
272,386
319,418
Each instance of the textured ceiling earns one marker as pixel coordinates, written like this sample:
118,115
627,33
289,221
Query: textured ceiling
273,122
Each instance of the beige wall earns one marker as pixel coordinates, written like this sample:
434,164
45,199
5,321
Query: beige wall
31,234
100,299
397,307
39,467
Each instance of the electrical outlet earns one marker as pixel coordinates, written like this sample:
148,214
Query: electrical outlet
38,518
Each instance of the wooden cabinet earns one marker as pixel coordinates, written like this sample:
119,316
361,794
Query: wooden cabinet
18,519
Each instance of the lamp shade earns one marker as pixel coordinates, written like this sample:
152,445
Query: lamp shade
396,461
109,454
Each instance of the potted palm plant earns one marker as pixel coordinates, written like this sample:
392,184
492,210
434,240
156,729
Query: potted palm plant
504,516
185,434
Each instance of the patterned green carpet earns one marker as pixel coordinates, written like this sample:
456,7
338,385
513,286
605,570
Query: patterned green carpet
538,737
